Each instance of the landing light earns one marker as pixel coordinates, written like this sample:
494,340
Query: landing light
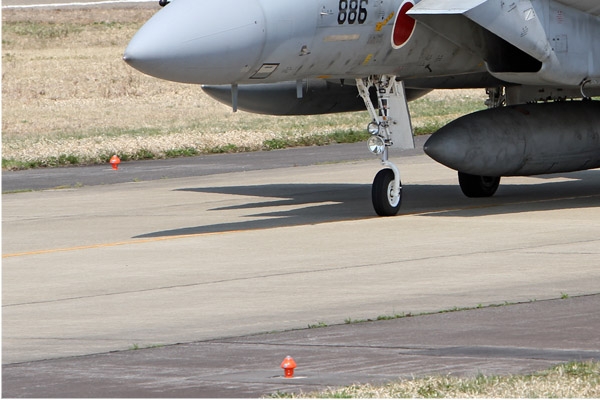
376,144
373,128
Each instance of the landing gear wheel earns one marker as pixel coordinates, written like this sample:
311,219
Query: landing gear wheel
384,201
478,186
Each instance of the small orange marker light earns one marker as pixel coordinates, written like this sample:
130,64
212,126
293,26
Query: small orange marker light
288,364
115,161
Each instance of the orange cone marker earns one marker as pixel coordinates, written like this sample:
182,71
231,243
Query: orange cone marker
288,364
115,161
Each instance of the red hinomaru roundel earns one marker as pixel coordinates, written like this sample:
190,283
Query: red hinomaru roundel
404,26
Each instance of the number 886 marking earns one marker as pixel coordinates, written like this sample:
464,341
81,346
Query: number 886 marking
352,11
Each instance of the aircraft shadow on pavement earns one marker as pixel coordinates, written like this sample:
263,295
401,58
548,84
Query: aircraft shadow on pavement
284,205
306,204
582,190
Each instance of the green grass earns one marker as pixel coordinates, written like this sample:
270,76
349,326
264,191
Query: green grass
316,140
317,325
41,31
62,160
387,317
187,151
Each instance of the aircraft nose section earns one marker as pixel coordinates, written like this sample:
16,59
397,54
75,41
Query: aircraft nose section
191,41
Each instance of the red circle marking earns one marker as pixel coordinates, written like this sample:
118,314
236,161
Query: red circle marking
404,25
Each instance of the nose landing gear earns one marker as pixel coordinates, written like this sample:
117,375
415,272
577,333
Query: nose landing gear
391,124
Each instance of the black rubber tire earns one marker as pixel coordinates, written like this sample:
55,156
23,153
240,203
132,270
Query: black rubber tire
478,186
383,204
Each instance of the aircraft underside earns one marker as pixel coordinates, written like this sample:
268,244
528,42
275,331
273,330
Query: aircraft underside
538,60
535,138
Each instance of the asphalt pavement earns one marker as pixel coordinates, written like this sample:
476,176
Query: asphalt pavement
49,178
512,339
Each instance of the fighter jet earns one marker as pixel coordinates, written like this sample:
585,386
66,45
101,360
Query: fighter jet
537,60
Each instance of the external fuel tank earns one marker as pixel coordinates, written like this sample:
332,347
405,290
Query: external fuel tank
521,140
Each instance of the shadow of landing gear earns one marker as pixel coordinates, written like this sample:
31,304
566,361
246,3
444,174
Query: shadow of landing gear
284,205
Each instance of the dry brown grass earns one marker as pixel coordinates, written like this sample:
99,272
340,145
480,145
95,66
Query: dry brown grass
571,380
66,91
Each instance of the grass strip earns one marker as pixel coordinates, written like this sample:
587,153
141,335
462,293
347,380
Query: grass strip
569,380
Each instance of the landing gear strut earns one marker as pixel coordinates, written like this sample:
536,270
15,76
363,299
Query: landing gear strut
391,124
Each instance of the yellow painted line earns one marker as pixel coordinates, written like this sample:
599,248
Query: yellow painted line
115,244
379,26
193,235
158,239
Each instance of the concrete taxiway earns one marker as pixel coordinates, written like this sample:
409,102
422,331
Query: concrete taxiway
198,259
